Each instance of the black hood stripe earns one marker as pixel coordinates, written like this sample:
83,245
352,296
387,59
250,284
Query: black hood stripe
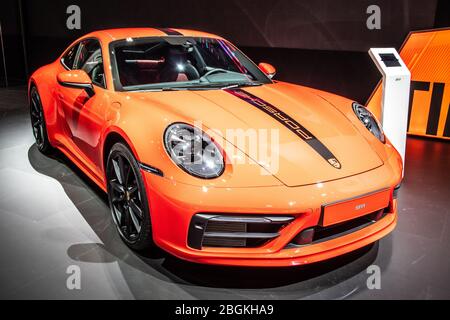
170,32
289,123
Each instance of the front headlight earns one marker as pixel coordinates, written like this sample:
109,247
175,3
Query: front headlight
369,121
193,151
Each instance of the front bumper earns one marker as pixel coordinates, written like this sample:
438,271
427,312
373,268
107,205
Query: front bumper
172,206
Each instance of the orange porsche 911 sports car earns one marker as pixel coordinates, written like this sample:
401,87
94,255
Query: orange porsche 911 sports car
204,155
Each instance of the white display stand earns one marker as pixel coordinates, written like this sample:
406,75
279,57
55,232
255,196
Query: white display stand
395,91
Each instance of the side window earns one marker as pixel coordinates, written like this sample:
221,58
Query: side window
69,58
89,59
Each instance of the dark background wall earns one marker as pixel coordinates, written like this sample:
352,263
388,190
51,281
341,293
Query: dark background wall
321,43
12,41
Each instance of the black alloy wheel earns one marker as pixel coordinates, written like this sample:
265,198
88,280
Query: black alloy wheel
127,198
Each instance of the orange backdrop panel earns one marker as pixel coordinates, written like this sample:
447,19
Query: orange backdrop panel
427,55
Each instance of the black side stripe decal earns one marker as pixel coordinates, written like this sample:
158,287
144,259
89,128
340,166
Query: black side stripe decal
289,123
170,32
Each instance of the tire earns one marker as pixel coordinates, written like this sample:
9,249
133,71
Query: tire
38,123
128,199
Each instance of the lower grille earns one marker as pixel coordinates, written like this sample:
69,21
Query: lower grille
209,230
320,234
219,227
224,242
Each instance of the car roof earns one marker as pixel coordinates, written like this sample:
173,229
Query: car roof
123,33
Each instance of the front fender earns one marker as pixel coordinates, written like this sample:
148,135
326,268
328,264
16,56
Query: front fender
143,125
116,130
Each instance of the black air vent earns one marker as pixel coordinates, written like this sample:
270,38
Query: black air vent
208,230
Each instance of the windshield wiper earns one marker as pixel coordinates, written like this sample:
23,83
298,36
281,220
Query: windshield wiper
173,89
209,86
241,84
223,86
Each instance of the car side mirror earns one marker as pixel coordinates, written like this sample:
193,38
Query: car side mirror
268,69
77,79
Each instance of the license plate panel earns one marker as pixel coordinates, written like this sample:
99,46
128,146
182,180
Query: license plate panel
350,209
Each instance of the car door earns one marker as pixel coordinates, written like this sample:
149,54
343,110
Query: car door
84,114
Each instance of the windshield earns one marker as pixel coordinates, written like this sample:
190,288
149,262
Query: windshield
179,63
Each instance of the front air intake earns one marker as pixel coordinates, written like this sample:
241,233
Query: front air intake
214,230
319,234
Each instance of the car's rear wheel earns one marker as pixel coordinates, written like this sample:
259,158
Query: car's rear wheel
128,199
38,122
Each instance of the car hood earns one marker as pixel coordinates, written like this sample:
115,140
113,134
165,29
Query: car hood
317,143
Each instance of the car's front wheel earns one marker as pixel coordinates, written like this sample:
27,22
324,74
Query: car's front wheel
128,199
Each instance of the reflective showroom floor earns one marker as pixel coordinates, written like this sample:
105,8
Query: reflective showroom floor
52,217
